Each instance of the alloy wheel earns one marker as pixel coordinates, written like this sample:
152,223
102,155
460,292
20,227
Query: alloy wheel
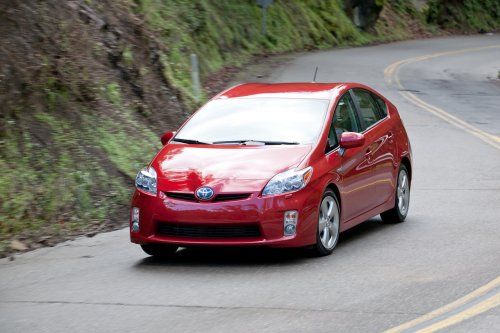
328,224
403,192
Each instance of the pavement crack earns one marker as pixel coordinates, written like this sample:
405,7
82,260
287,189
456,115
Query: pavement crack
456,189
212,307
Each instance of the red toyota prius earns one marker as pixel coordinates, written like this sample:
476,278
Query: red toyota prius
280,165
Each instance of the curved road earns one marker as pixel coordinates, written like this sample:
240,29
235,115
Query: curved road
380,277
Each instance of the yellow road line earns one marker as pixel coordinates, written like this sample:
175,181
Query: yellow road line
486,137
389,70
475,310
391,75
449,307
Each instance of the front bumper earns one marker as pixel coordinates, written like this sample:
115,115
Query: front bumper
266,213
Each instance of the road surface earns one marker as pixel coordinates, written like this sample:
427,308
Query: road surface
380,276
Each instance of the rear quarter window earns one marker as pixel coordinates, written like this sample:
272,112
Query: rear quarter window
381,104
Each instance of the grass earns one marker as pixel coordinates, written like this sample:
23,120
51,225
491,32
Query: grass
60,186
228,33
466,15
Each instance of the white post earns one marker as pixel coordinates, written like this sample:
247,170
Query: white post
195,77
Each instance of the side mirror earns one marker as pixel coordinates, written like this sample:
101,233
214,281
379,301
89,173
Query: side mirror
351,140
166,137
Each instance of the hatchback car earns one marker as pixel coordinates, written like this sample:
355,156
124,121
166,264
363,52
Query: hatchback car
280,165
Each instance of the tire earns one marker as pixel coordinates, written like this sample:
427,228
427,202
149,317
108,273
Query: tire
328,229
159,250
398,213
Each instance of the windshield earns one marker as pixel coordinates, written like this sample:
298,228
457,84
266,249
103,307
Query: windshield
273,120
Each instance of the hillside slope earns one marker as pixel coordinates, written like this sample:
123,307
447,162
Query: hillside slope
465,15
87,86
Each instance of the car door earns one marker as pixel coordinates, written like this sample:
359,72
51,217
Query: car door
356,188
379,151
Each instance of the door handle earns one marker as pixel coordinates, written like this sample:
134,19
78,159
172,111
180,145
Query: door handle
390,137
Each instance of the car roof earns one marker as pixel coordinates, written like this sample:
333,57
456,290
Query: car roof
283,90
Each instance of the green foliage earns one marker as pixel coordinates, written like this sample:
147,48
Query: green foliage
128,56
112,93
226,33
465,15
400,19
64,184
404,6
49,188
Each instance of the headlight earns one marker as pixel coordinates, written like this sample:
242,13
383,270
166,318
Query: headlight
288,181
146,180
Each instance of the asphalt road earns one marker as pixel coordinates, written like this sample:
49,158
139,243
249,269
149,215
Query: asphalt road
379,277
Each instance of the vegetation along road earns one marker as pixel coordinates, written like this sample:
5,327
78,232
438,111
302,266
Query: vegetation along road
440,270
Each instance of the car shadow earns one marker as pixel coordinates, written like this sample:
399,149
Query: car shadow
256,256
363,230
228,256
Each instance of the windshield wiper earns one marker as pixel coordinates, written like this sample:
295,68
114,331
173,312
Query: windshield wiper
245,142
189,141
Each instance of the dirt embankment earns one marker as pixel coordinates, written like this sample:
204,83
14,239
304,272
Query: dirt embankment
83,97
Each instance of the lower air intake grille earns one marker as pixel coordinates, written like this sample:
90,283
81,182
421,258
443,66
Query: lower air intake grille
208,231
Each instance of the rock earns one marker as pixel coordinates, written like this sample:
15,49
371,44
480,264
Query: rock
364,13
44,240
18,246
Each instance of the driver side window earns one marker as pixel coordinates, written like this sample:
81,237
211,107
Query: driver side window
345,119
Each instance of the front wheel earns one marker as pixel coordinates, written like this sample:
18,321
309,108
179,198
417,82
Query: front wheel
398,213
159,250
328,231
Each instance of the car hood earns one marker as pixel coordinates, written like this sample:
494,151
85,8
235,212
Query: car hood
226,168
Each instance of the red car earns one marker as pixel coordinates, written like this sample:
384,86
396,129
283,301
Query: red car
280,165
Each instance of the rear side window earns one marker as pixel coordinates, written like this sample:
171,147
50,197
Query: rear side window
367,107
381,104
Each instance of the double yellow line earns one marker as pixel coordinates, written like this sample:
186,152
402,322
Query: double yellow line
391,76
468,306
488,296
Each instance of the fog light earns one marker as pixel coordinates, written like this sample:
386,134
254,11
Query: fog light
135,219
290,222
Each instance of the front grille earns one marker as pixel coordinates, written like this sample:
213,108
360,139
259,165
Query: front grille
218,198
181,196
208,231
228,197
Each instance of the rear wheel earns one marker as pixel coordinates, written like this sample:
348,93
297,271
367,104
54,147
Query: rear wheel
159,250
328,231
402,202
